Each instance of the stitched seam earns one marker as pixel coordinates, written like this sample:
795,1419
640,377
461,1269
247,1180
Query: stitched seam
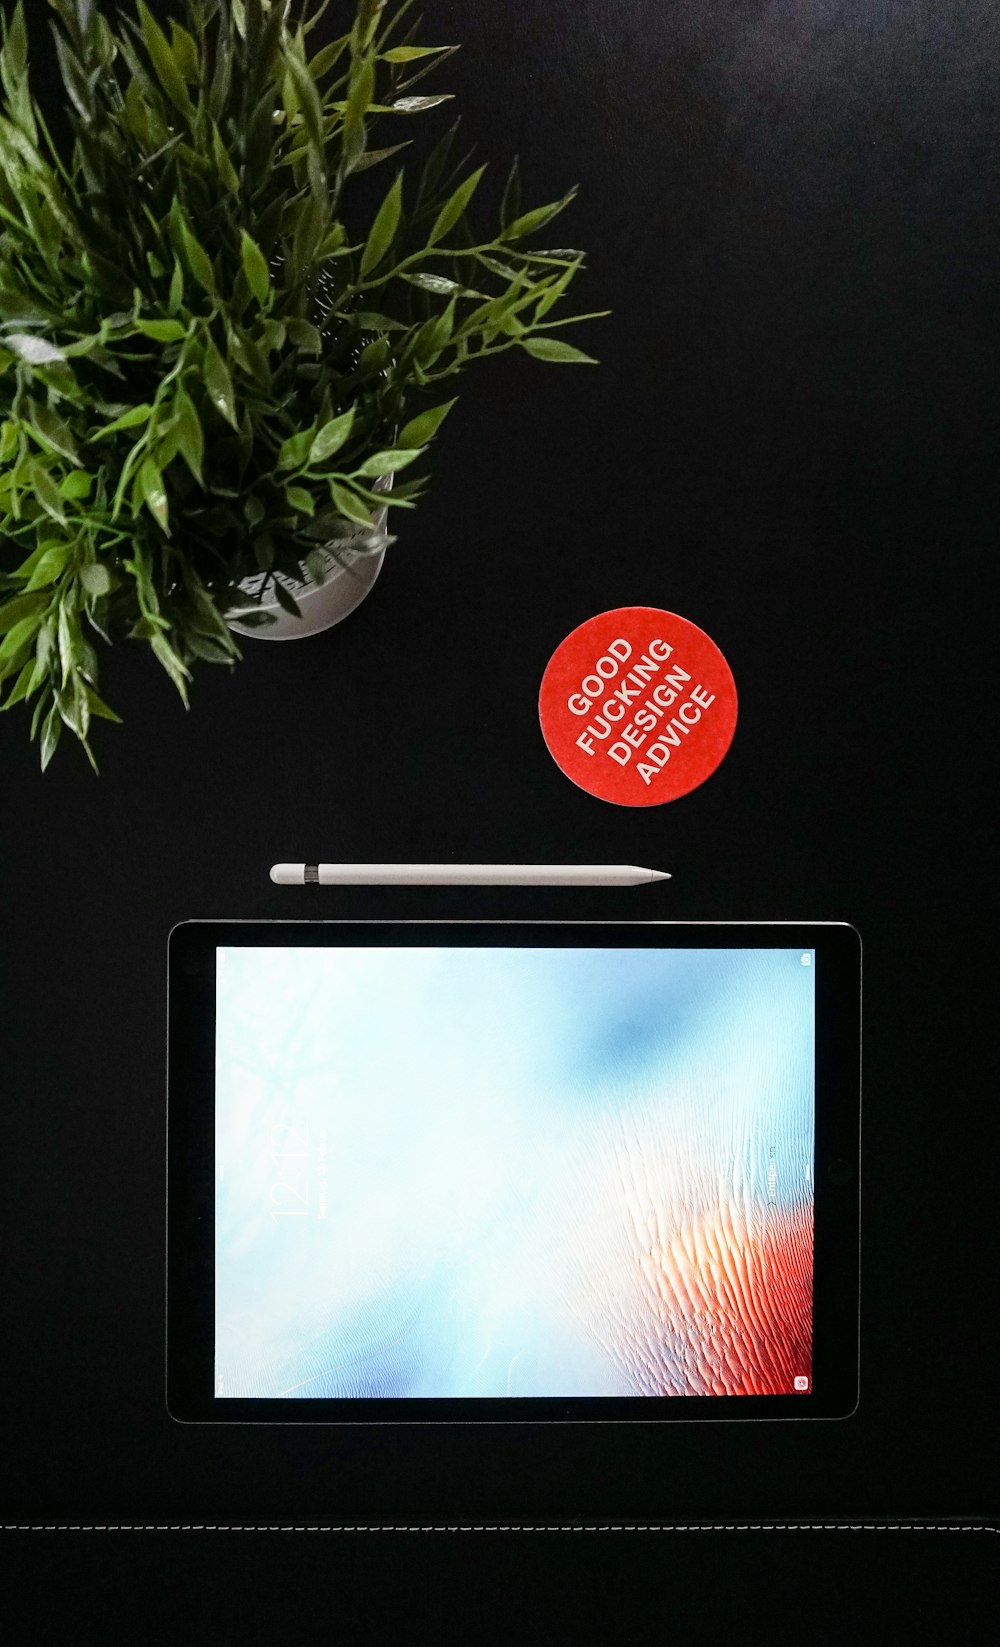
502,1527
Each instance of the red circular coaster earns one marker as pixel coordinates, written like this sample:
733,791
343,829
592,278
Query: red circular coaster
638,706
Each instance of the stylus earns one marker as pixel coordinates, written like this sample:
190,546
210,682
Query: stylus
464,875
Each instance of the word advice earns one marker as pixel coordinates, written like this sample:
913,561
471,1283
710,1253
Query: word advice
616,702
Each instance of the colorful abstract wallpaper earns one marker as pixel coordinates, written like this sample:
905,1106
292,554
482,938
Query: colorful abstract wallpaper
503,1172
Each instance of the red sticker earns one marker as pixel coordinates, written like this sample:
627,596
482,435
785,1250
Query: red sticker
638,706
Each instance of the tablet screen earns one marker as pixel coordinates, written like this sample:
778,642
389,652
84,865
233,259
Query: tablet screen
513,1172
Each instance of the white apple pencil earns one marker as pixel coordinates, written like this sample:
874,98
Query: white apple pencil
463,875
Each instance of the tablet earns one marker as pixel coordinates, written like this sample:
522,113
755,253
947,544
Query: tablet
428,1172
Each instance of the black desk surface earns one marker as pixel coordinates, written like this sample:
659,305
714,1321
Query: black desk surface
792,440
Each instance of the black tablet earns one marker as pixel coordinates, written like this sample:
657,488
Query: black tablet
438,1172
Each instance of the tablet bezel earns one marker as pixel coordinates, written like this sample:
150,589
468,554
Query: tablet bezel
191,1170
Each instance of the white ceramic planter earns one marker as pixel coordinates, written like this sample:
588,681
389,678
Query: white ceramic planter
351,572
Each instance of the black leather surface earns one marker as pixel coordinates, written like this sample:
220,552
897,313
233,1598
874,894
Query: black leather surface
791,440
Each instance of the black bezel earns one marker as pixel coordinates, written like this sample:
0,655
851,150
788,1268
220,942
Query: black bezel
191,1155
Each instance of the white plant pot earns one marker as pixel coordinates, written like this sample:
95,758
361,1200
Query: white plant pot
351,570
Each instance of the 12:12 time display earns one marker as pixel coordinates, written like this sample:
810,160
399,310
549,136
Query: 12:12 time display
288,1201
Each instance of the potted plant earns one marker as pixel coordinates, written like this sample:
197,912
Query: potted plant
228,320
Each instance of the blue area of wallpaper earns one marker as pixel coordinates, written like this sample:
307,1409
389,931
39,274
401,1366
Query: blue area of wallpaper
503,1172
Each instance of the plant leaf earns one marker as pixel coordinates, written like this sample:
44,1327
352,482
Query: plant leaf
374,157
551,348
454,208
15,44
49,566
161,331
332,437
96,579
409,54
100,708
128,420
19,635
22,606
301,500
154,492
384,227
26,568
327,56
51,730
36,351
424,426
22,686
349,505
359,99
66,638
176,296
417,105
175,668
224,165
207,648
189,434
219,384
510,204
46,491
504,270
439,284
164,61
39,712
190,247
308,98
54,432
530,222
558,289
78,484
305,335
386,463
369,320
255,268
294,452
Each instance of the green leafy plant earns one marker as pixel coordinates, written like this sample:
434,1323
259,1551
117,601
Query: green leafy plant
216,336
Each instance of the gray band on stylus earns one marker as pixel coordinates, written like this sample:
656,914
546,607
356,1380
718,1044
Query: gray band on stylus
310,875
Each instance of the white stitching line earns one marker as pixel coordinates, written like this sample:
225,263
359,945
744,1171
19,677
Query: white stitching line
506,1527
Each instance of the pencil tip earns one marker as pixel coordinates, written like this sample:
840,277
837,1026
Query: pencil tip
659,875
